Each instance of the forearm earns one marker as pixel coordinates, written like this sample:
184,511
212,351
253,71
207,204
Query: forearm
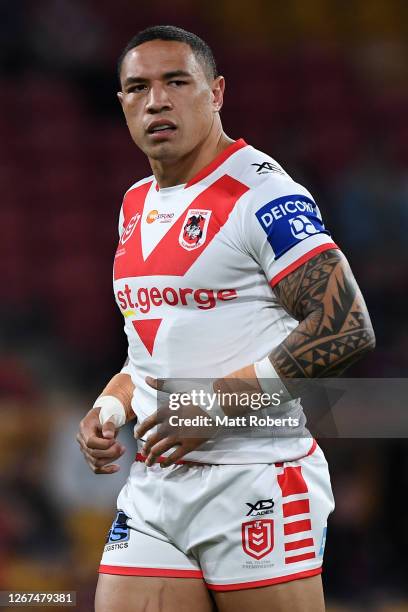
99,427
306,355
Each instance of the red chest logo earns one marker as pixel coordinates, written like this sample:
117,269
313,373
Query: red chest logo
257,538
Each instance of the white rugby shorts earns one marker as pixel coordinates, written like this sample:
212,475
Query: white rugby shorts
233,526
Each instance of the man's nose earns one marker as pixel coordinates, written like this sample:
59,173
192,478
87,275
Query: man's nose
158,99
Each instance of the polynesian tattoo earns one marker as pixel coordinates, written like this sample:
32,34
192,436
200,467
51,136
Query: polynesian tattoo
334,327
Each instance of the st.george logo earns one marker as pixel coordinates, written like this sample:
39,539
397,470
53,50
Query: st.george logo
119,532
194,229
130,228
257,538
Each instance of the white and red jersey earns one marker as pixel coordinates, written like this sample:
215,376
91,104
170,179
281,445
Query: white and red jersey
194,274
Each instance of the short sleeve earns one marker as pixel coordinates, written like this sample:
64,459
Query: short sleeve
121,225
284,228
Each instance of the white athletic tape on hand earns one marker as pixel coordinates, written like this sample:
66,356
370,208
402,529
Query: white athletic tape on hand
112,409
269,380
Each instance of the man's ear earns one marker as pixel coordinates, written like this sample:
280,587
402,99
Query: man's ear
120,98
218,88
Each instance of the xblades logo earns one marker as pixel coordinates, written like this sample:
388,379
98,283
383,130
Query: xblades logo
267,167
263,506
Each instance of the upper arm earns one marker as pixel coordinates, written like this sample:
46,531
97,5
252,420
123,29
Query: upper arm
313,282
334,325
283,228
324,286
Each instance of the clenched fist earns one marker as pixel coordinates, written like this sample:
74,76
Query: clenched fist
98,443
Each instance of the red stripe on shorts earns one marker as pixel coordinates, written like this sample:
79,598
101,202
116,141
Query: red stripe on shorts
296,507
299,544
292,482
297,527
149,571
296,558
260,583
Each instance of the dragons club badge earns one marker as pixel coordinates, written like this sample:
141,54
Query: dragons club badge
257,538
194,229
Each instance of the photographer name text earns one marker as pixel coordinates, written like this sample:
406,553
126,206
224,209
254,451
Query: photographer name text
251,420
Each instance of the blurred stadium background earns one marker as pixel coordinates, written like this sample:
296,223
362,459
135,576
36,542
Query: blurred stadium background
320,85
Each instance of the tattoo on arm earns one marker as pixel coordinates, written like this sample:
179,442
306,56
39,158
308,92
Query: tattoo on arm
334,327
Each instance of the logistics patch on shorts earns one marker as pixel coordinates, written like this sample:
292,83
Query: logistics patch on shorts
119,532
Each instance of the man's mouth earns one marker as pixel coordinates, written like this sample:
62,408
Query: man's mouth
161,127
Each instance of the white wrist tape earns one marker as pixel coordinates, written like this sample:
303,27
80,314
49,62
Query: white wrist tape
269,380
112,409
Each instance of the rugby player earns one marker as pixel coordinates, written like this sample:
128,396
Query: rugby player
225,271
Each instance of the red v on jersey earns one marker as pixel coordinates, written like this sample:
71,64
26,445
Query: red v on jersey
147,330
169,257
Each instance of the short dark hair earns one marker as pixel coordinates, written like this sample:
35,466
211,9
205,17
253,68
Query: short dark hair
200,48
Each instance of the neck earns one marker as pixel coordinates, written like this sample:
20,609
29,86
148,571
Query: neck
175,172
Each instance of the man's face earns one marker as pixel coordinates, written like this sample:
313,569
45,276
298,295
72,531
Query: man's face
168,102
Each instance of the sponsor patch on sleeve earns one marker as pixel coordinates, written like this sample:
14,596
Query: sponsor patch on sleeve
288,220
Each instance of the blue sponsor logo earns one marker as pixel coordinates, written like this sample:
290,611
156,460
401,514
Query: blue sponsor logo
289,220
119,532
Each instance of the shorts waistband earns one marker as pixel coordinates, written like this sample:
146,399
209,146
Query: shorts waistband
142,458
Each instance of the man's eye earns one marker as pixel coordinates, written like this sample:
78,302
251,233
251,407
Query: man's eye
177,83
136,88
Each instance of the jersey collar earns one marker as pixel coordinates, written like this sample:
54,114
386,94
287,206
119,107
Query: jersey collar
220,159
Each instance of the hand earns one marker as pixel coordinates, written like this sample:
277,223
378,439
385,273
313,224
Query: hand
186,437
98,443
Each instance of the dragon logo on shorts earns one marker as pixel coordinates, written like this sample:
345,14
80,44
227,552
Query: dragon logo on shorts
119,532
194,229
257,538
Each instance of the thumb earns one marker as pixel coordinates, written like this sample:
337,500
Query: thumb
108,430
152,382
